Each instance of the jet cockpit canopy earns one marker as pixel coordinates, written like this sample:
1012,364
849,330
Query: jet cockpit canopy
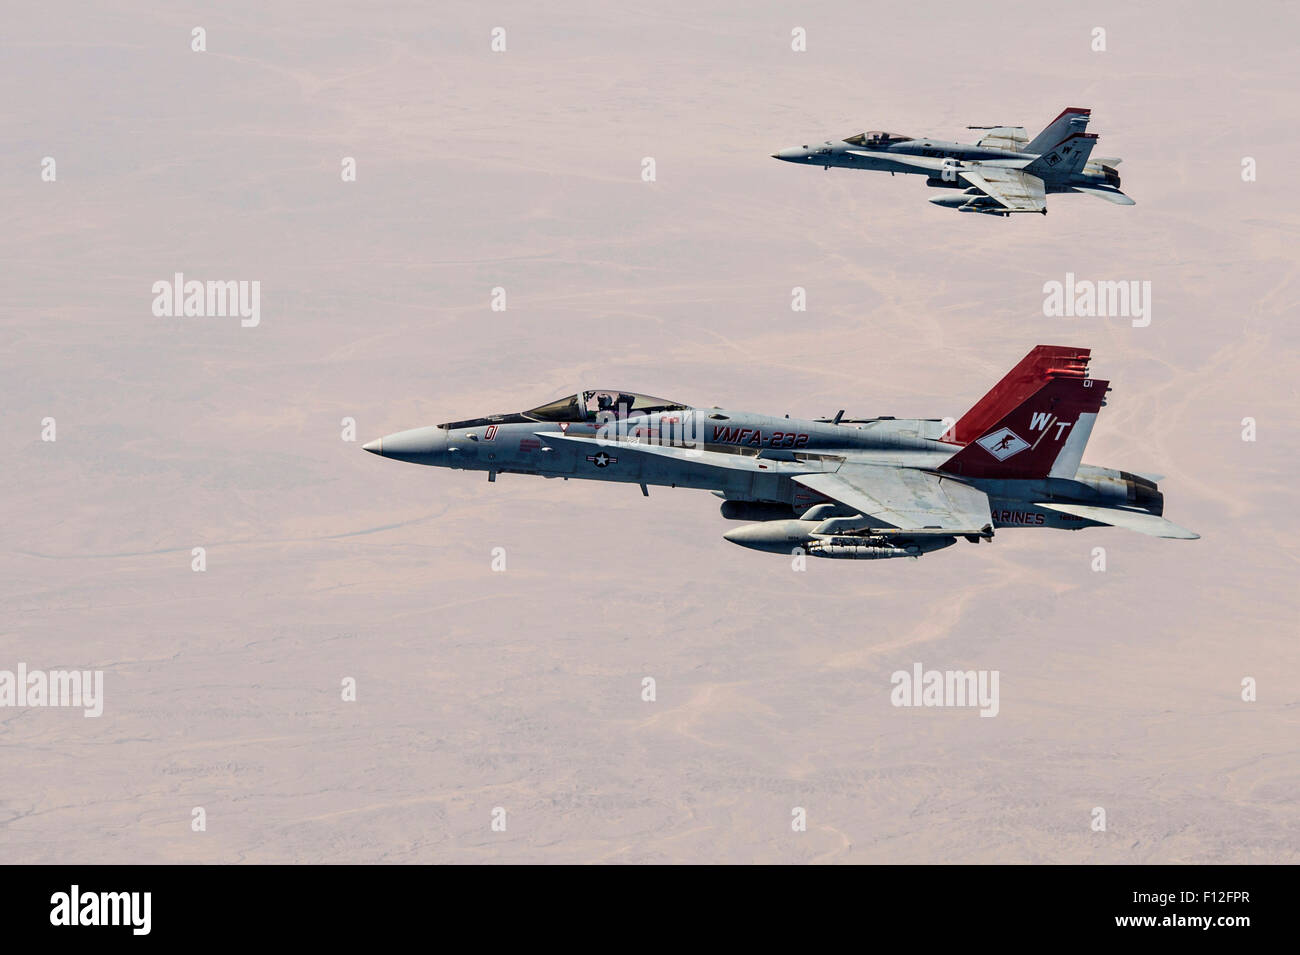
877,139
586,405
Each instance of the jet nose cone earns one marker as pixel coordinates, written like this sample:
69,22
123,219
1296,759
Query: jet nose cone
419,445
794,154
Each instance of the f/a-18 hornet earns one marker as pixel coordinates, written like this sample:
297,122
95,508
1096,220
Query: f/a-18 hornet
1004,172
860,488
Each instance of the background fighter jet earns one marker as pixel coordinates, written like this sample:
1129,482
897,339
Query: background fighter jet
865,488
1001,174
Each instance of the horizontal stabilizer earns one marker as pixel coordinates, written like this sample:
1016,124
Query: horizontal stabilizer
1139,521
1110,195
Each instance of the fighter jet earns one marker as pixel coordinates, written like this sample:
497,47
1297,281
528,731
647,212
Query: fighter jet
854,488
1004,172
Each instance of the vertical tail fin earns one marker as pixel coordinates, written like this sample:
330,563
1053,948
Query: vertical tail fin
1042,436
1073,119
1033,371
1066,158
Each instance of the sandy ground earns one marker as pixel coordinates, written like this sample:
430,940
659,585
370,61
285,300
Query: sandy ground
522,689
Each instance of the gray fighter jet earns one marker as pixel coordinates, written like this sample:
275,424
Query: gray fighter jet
1004,172
859,488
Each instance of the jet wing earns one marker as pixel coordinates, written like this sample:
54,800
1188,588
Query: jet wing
1005,137
905,497
1139,521
1016,190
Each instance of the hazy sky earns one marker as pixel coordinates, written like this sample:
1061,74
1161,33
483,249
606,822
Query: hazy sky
522,689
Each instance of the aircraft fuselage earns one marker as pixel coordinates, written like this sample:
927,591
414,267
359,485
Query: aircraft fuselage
740,456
